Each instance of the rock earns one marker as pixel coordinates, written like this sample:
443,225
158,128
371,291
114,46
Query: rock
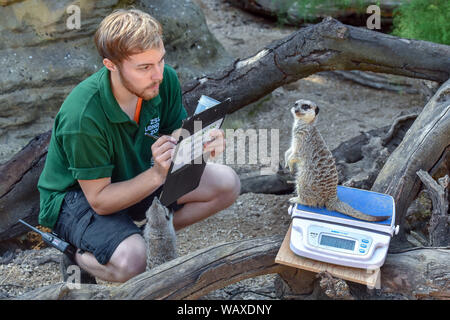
7,257
191,48
42,58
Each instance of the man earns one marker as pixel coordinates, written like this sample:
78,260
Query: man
103,168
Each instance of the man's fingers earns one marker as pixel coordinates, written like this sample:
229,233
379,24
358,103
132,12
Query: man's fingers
215,147
165,156
215,133
162,148
164,139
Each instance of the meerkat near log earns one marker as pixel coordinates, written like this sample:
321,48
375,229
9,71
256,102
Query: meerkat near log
316,178
159,235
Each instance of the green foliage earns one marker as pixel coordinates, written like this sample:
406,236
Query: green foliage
415,19
423,20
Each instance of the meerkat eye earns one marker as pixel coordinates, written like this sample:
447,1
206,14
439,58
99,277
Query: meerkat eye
305,107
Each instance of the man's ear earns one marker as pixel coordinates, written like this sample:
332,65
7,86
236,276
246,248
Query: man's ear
111,66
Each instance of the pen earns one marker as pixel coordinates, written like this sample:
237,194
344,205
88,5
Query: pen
155,137
152,136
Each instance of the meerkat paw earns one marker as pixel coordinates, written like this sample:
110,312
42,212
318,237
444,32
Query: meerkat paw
291,164
294,200
287,155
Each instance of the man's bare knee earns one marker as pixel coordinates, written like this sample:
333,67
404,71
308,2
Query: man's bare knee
230,185
129,259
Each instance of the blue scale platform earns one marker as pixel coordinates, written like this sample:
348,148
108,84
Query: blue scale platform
368,202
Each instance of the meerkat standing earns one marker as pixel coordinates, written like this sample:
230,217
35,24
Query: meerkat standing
159,234
317,178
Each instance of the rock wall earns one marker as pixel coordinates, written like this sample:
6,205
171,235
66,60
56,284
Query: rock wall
42,55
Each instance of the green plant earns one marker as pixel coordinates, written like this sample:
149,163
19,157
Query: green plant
423,20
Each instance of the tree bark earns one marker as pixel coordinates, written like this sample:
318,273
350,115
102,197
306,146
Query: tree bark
19,197
329,45
375,81
413,274
438,229
423,145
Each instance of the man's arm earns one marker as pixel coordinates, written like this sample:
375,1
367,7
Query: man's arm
106,197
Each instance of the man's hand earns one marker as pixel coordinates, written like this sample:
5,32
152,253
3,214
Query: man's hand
106,197
216,143
163,150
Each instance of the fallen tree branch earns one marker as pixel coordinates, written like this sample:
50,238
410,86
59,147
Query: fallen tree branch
410,274
423,145
19,197
372,80
329,45
396,126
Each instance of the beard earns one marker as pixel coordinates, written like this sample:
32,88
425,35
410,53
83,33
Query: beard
146,94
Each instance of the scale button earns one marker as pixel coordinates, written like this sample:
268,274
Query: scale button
363,246
362,250
365,241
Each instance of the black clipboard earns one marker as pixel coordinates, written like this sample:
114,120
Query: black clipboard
184,177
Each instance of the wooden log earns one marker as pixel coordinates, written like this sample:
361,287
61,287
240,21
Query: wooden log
438,229
374,80
19,197
329,45
293,283
422,147
187,277
421,273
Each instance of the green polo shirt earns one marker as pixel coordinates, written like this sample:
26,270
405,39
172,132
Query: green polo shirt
94,138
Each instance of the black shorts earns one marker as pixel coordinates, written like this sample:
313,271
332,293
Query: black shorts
81,226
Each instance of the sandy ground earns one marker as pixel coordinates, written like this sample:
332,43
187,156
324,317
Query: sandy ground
346,110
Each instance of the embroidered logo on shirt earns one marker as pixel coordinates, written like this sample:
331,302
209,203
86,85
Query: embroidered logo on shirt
152,127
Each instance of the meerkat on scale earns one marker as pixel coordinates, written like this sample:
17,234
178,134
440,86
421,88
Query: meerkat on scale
316,177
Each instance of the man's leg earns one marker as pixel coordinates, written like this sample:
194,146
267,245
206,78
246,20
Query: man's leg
113,248
127,261
218,189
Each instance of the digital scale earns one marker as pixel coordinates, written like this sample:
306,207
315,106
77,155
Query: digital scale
336,238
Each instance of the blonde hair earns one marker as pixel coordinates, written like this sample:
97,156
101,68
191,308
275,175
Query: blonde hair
127,32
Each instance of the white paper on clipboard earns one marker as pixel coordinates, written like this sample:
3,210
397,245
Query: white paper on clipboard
191,147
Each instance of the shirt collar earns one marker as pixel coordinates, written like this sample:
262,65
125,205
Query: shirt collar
109,103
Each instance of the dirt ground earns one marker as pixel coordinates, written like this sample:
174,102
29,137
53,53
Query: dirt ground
346,110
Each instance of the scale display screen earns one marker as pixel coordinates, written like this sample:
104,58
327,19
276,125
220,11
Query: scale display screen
337,242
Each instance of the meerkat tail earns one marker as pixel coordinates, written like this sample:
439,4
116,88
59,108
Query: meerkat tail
342,207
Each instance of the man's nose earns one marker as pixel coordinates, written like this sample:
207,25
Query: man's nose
157,75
